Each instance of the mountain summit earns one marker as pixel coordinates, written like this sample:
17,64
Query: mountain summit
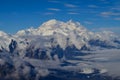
53,26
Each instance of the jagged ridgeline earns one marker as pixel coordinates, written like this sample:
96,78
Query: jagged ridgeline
56,38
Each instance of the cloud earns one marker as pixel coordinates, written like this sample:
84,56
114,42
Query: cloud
116,8
54,1
117,18
92,6
105,1
104,60
108,14
88,22
48,13
70,5
115,29
53,9
76,10
73,13
105,14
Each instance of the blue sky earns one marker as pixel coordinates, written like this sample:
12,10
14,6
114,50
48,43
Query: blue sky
93,14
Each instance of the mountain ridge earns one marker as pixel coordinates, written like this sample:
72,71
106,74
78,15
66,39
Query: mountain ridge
61,32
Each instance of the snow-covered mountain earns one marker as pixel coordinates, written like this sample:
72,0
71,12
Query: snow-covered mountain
63,34
53,42
56,38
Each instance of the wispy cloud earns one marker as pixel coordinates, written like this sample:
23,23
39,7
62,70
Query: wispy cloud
105,1
116,8
117,18
115,29
54,1
73,9
88,22
48,13
70,5
73,13
92,6
108,14
53,9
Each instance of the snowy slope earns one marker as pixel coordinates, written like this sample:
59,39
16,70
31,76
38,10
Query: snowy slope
4,40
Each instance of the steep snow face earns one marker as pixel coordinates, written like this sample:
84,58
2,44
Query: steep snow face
4,40
2,33
53,26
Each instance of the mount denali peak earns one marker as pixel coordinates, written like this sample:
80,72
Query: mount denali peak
59,24
53,26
